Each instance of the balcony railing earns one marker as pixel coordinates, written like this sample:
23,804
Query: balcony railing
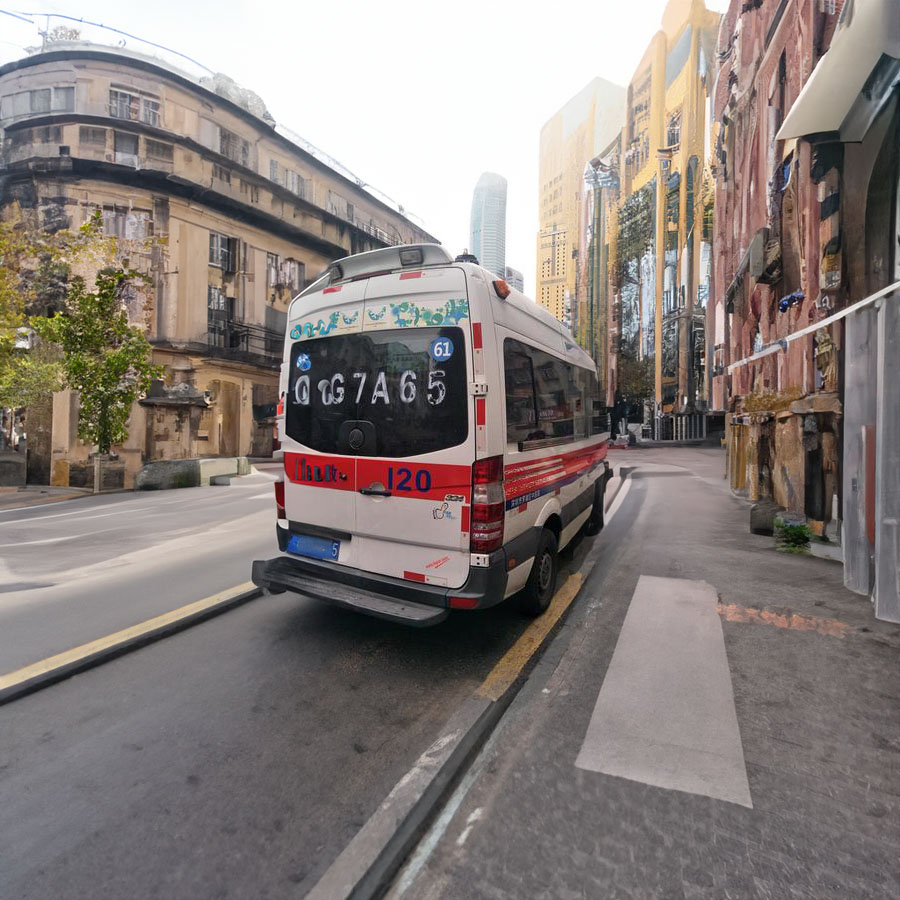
243,342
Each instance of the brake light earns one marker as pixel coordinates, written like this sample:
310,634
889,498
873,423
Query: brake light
279,412
488,505
279,500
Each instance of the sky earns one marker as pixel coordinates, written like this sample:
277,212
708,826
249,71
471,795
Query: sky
415,98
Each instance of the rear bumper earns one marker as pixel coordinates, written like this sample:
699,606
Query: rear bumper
378,595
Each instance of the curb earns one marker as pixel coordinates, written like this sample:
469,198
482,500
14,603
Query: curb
366,867
37,676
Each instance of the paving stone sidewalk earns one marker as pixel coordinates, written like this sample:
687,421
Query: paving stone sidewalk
817,696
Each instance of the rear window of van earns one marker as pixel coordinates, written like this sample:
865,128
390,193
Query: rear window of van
392,393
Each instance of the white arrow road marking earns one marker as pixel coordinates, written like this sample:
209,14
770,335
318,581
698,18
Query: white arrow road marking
665,715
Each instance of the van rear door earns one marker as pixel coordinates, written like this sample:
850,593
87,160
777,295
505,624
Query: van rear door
385,406
416,330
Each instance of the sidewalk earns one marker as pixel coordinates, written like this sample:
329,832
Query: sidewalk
655,753
36,494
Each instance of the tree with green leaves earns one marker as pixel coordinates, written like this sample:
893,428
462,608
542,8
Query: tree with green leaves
634,378
34,275
104,358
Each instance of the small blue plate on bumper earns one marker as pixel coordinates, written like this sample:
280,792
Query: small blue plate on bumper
315,547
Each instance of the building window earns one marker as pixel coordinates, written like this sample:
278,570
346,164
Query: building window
273,171
216,315
88,135
150,111
294,273
250,190
284,273
295,183
123,105
130,224
234,147
221,173
159,150
40,101
272,267
63,99
673,130
222,251
126,147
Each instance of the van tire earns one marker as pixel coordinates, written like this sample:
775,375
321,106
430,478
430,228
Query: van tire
541,585
594,524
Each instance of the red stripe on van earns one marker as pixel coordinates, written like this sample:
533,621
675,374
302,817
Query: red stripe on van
464,520
476,336
332,290
413,576
545,473
416,481
406,275
479,411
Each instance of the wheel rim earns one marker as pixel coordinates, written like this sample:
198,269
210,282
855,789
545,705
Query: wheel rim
545,573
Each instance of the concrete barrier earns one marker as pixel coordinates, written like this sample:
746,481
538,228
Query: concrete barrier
178,473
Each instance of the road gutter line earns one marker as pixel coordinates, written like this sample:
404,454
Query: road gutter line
366,866
48,671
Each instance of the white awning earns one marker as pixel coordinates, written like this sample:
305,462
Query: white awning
867,37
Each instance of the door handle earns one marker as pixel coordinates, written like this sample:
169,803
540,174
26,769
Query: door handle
375,492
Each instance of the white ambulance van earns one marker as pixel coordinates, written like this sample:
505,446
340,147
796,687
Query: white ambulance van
439,439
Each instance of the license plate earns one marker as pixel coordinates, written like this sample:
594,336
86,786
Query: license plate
315,547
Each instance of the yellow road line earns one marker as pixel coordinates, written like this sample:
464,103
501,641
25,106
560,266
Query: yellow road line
516,658
76,655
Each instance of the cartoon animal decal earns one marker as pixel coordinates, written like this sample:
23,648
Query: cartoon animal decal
409,314
406,314
320,329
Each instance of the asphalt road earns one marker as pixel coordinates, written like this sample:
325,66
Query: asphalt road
235,759
77,570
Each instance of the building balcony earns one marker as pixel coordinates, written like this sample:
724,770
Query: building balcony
242,342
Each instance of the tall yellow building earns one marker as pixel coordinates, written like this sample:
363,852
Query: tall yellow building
578,132
660,272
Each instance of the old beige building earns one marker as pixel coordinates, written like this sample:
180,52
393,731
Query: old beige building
229,216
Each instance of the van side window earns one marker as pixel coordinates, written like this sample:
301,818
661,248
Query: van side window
546,397
555,396
521,413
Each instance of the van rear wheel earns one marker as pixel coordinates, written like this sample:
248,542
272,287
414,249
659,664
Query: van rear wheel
541,584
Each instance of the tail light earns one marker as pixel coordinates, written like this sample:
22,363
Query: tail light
488,505
279,413
279,500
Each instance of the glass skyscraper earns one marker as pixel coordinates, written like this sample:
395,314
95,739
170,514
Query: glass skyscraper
488,224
